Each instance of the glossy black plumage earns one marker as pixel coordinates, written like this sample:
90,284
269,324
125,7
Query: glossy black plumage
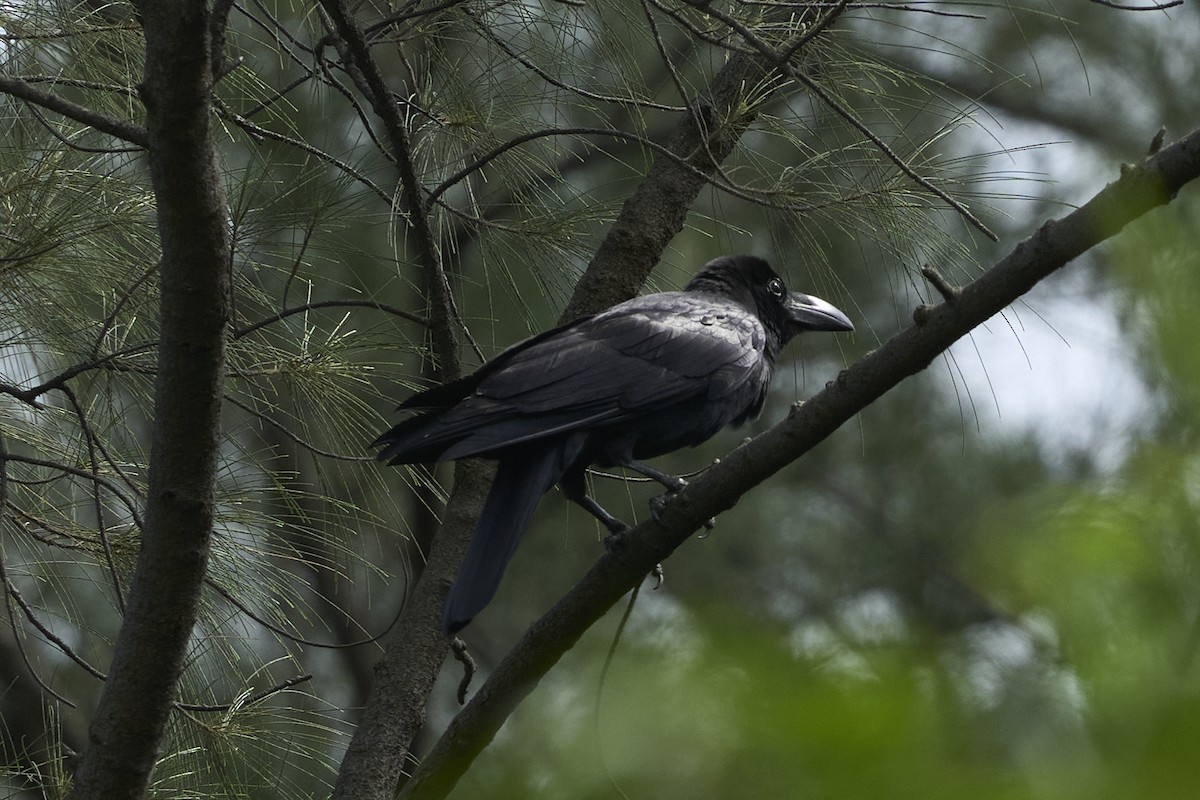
643,378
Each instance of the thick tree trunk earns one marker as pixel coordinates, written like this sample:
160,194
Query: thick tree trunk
126,733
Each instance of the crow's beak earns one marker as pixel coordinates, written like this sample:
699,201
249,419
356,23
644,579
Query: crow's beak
809,313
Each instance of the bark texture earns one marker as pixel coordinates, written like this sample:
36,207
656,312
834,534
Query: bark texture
127,730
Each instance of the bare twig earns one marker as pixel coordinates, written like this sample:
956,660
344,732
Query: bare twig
97,505
347,303
1151,7
57,536
253,699
259,131
279,426
947,290
53,131
278,32
278,631
113,489
376,28
50,36
19,641
59,643
368,125
32,394
633,102
79,83
11,593
122,299
815,30
463,656
278,95
1156,143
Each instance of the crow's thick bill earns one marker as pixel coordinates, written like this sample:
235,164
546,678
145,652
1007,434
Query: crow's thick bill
643,378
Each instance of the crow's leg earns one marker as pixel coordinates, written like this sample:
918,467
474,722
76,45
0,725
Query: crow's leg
614,525
674,483
575,488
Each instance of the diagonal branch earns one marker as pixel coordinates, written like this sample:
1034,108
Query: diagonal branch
1139,189
374,86
703,138
119,128
783,64
395,709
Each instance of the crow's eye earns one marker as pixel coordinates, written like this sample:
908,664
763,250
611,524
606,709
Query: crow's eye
776,287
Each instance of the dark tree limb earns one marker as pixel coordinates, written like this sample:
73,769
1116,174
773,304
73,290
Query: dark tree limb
656,211
414,652
134,134
127,730
395,710
1141,188
374,86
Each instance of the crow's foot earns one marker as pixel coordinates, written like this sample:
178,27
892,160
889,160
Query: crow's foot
617,541
657,504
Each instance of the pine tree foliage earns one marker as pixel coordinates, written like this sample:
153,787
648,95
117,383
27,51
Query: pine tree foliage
378,237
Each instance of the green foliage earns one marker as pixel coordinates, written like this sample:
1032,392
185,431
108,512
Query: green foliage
915,610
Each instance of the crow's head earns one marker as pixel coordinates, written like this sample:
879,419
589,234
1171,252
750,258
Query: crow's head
752,282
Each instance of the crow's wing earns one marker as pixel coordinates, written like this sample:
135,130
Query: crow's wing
423,438
644,355
447,395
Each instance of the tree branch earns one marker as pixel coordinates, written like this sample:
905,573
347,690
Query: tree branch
1139,189
656,211
445,343
119,128
414,653
246,330
658,208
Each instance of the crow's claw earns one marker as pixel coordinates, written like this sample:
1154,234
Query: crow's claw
677,484
616,543
659,576
659,502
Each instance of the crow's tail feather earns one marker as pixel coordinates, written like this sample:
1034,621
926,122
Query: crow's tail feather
522,477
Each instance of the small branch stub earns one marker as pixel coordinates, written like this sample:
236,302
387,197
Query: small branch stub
1157,142
947,290
463,656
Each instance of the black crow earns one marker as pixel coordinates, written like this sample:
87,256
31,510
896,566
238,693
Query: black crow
643,378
